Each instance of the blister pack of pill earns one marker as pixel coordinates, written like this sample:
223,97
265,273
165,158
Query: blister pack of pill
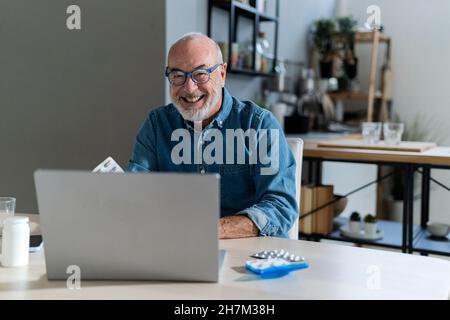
274,266
279,254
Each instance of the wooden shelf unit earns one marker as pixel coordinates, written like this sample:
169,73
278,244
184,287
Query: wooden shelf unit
367,37
352,95
384,96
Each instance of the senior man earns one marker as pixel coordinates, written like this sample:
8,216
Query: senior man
257,194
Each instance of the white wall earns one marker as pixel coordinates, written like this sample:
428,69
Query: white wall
420,33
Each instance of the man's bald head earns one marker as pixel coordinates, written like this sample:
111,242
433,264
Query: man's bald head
195,44
194,100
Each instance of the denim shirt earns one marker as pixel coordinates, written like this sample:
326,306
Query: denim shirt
267,199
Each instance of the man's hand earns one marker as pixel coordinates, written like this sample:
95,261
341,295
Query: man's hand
238,226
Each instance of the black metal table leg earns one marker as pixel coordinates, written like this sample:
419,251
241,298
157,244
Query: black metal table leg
425,202
411,209
310,171
405,212
408,198
318,173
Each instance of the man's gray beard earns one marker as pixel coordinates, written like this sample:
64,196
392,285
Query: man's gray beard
201,114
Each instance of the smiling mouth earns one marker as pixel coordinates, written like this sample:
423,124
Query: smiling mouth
192,100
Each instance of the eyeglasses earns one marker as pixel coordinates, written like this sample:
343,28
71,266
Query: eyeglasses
178,77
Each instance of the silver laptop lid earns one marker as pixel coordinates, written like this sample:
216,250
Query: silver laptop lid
129,226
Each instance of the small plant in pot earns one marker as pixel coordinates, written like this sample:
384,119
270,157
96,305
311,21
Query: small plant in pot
370,226
355,222
323,30
350,61
347,27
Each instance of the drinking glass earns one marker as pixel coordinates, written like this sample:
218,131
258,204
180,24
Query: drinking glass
393,132
371,132
7,208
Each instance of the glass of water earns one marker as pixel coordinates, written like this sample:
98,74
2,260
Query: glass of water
371,132
393,132
7,208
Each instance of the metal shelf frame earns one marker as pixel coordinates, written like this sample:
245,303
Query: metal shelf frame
235,10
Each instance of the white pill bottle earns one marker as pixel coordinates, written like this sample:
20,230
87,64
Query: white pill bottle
15,242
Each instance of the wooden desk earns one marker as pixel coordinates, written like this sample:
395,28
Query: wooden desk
335,272
436,157
409,162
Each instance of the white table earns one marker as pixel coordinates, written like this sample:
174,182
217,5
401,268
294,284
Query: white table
335,272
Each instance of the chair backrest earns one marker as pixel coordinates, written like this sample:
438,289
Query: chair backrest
296,145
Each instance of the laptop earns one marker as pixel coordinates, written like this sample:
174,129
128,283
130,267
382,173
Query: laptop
129,226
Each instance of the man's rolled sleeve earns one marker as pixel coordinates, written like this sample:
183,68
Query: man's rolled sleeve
260,219
276,208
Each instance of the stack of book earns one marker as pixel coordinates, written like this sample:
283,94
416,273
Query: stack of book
321,221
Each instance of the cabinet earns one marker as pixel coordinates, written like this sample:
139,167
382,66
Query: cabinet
236,10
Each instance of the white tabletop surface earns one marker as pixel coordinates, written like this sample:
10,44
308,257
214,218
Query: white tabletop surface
335,272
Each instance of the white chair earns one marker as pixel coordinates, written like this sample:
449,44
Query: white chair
296,145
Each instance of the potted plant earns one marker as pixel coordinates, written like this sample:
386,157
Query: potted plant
323,30
370,226
355,222
347,31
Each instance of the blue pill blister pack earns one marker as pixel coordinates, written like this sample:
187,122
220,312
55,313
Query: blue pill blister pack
274,266
275,262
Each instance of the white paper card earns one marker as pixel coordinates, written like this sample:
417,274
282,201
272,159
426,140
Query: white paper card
108,165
